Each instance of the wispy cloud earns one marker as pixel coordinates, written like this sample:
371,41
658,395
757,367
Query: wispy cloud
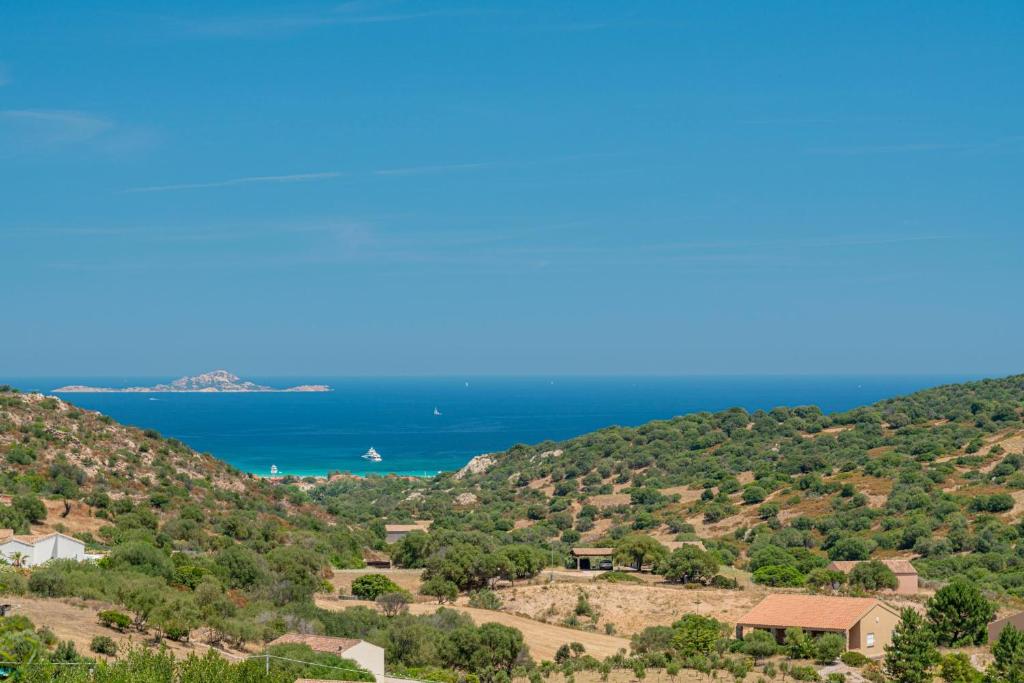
54,126
257,25
440,168
33,131
232,182
426,169
1016,141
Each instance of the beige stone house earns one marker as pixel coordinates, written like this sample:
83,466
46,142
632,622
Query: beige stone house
905,573
396,532
865,623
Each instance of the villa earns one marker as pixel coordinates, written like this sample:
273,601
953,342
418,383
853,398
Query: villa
864,623
35,549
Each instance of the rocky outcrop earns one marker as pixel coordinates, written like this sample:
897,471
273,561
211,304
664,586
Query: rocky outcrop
477,465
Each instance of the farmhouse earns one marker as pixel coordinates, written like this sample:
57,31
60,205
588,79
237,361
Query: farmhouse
367,655
396,532
904,571
865,623
34,550
593,558
996,627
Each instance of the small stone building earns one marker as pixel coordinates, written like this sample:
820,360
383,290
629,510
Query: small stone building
905,573
591,558
396,532
865,623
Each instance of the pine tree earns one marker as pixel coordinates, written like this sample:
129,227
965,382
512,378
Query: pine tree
959,614
912,653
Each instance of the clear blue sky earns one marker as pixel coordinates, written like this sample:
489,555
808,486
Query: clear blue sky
448,187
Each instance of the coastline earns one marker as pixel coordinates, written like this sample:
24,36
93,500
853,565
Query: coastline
322,478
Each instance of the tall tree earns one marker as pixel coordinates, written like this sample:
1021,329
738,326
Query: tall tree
912,654
959,614
639,549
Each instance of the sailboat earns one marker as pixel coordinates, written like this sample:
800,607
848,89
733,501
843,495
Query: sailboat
436,411
372,455
273,470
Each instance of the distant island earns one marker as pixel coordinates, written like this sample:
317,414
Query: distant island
218,381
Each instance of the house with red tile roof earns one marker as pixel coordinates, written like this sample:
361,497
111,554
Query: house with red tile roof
865,623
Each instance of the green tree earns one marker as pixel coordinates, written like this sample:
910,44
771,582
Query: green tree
638,550
956,667
873,576
370,586
697,635
441,589
689,564
30,507
912,654
959,614
1008,652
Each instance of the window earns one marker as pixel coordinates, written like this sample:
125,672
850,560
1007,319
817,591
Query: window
871,640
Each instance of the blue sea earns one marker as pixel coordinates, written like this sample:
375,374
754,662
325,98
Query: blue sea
314,433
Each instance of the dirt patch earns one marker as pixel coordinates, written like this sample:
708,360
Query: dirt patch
409,579
542,639
630,607
607,500
75,620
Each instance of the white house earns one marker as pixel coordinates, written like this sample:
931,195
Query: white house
34,550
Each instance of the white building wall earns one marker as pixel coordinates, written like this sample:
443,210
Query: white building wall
368,656
9,547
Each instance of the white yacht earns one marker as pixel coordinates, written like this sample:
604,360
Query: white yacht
273,470
372,455
436,411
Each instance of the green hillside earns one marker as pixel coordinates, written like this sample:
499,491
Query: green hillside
935,475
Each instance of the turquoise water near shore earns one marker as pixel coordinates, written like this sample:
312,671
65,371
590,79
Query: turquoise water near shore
314,433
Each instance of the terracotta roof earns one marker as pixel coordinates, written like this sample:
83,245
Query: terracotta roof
328,644
595,552
818,612
897,566
28,539
398,528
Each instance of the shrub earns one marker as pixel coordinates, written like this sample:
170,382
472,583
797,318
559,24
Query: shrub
393,604
804,673
719,581
371,586
485,599
114,619
777,575
852,658
11,582
619,577
103,645
828,647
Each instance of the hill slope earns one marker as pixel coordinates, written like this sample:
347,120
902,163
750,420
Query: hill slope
936,475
